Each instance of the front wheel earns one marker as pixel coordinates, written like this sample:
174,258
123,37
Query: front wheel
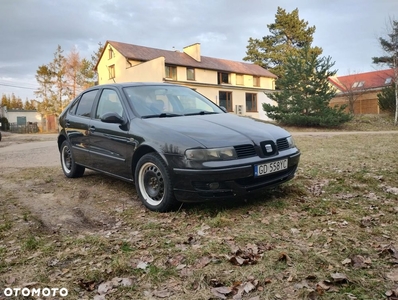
154,184
69,167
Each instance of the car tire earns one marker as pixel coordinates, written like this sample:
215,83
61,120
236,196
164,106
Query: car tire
69,167
154,184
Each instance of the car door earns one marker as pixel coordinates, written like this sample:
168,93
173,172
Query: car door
77,124
108,141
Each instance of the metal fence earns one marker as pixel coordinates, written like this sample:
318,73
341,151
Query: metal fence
27,128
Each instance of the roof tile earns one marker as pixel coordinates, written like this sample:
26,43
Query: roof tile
371,80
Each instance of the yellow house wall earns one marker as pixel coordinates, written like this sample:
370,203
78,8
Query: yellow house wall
103,72
150,71
193,51
366,103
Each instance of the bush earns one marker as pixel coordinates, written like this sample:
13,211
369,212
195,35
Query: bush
5,125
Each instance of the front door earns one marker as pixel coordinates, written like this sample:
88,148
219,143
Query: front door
108,141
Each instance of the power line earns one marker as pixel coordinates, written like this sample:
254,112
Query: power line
16,86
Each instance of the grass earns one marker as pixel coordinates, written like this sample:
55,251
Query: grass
340,207
358,123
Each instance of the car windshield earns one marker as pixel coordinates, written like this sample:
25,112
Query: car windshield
153,101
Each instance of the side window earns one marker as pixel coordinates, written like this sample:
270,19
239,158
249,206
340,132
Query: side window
86,103
109,102
72,109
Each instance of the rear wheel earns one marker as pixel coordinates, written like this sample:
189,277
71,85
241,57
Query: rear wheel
69,167
154,184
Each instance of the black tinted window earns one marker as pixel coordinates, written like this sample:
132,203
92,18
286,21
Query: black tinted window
86,103
73,106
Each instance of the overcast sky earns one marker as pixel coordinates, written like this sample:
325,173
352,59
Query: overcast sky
31,30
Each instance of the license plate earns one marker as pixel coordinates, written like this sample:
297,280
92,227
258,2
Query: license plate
270,167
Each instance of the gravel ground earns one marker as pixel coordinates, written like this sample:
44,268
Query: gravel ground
28,150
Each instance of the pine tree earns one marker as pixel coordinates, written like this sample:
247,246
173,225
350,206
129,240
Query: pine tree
305,93
29,105
44,78
390,46
289,35
387,101
95,57
58,71
5,101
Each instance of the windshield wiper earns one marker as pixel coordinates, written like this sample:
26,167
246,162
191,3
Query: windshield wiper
162,115
203,112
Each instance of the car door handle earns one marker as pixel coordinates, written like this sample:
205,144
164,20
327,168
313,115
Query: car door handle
67,123
92,129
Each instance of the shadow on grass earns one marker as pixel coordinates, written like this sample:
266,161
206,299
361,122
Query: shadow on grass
277,197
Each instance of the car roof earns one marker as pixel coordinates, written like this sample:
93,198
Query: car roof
128,84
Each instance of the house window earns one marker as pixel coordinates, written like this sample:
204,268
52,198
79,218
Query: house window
111,53
251,102
225,99
171,72
358,84
111,70
223,77
190,73
239,79
256,81
388,80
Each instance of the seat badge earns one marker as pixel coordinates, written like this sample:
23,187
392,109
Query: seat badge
268,148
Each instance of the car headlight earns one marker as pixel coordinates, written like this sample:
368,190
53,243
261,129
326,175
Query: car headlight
227,153
290,141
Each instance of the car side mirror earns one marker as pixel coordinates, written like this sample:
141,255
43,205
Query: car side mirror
112,118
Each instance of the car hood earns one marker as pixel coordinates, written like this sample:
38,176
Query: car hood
219,130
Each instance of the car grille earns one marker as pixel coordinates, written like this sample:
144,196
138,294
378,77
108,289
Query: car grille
282,144
243,151
248,150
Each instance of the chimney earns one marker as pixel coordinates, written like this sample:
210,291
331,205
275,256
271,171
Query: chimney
193,51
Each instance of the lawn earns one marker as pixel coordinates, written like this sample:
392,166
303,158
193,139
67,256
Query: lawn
330,233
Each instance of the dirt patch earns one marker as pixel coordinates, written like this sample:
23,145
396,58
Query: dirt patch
58,204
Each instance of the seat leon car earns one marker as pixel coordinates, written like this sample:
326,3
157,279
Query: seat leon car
173,143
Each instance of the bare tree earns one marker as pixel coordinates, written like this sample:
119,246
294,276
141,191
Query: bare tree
352,88
73,65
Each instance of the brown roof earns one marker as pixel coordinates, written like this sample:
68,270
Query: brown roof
363,81
141,53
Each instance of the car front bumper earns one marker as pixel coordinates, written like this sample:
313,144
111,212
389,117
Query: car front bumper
191,185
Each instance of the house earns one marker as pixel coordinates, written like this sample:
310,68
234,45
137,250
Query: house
360,90
22,120
18,118
239,87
